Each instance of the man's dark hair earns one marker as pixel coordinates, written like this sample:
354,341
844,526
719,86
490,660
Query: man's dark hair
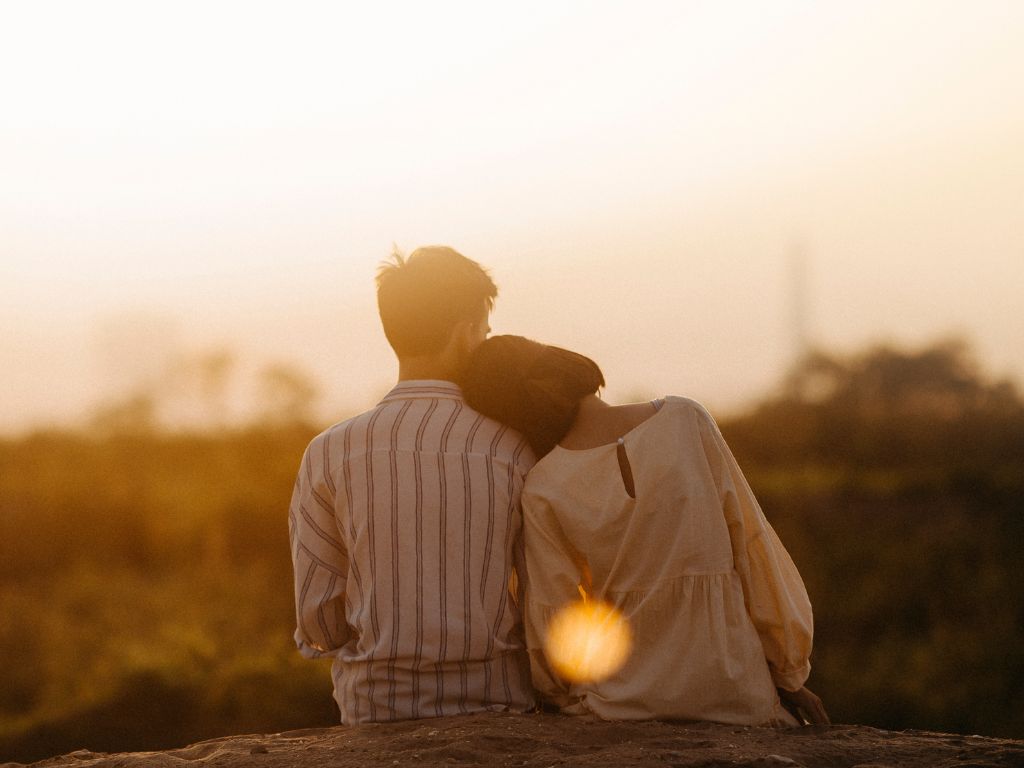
422,296
532,387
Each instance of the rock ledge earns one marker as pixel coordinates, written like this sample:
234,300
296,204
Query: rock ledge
540,741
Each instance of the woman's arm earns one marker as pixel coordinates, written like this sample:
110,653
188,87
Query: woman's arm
773,591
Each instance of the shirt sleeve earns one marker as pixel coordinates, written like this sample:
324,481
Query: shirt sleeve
773,590
522,463
319,559
553,573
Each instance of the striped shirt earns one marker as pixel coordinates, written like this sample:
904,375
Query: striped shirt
405,527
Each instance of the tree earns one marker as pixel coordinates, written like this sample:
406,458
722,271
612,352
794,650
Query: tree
287,395
887,407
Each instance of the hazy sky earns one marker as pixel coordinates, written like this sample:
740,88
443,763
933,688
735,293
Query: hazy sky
181,177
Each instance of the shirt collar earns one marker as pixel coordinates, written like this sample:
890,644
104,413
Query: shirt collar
415,389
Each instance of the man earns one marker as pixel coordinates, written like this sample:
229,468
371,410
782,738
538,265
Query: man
405,520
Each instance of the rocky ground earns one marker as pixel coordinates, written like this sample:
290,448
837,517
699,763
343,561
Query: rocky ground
539,741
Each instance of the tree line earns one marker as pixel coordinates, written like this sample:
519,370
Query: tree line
145,581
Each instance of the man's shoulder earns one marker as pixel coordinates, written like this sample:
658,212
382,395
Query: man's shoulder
339,428
511,444
457,428
472,432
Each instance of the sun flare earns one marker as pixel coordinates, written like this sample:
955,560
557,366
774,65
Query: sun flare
588,641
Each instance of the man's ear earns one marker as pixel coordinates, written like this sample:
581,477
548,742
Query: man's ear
464,331
459,341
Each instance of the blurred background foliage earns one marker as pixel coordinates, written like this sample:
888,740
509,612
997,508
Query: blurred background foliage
145,580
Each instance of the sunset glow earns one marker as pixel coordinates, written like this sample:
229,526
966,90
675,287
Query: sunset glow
637,177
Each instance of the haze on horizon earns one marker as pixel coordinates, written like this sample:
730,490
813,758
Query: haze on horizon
191,177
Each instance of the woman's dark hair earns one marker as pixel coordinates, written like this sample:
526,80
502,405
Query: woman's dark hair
532,387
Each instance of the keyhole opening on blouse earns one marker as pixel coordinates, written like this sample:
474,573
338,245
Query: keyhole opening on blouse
626,470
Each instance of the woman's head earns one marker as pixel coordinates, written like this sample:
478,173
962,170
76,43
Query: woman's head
534,388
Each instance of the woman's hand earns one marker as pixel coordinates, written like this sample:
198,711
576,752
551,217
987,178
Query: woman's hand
804,704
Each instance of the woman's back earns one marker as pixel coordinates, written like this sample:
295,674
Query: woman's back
660,532
661,528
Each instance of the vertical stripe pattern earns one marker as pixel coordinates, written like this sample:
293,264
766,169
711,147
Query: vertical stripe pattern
405,524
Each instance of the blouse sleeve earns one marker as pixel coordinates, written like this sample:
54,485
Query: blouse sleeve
553,573
773,591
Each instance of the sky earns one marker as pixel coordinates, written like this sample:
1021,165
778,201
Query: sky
642,179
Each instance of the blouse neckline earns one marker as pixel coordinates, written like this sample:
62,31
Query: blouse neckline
659,407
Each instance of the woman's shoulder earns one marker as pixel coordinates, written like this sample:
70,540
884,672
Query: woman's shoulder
692,418
686,406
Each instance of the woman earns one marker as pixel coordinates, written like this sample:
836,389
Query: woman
644,507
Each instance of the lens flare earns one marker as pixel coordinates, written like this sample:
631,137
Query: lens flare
588,641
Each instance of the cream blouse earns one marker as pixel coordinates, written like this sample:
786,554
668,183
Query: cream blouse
718,611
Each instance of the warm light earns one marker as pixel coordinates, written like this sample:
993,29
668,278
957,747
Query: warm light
588,641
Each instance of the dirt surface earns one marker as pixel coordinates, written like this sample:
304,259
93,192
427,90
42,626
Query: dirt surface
552,740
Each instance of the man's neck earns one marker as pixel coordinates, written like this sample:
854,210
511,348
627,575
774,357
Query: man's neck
424,368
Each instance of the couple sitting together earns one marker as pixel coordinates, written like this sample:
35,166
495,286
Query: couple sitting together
435,536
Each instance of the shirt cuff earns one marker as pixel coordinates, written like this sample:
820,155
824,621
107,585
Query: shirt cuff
792,679
310,651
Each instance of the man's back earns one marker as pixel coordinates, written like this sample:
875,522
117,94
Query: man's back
405,528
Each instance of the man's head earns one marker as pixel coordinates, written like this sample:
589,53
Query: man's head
434,302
